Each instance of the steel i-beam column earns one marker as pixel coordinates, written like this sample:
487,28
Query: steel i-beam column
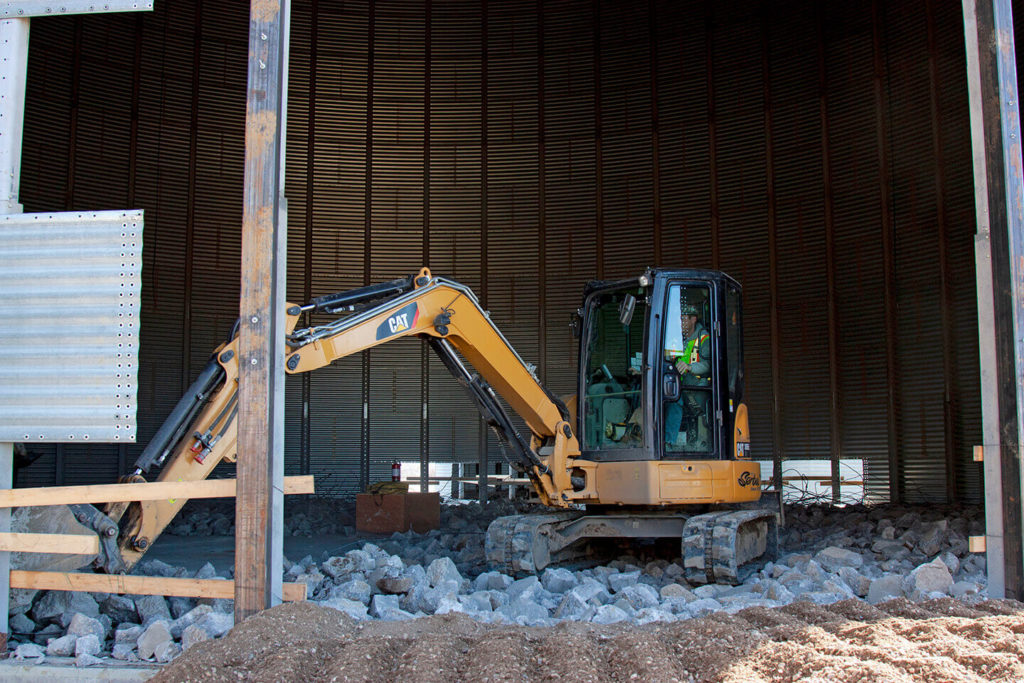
999,250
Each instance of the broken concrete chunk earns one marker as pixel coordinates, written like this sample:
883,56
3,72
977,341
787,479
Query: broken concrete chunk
128,633
396,585
640,596
152,608
166,651
832,558
179,605
216,623
179,625
155,634
354,609
885,588
21,600
558,580
125,652
526,588
119,608
492,581
933,577
53,604
609,614
524,613
192,635
82,625
357,590
29,651
19,623
87,645
619,581
85,659
675,590
207,571
443,569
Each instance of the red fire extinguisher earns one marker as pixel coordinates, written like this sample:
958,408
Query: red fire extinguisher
396,471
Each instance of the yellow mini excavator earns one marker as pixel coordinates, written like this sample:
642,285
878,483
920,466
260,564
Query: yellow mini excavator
654,445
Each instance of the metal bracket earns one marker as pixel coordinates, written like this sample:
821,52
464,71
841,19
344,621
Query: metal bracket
109,559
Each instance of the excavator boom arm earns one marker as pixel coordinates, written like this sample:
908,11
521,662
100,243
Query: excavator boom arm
201,431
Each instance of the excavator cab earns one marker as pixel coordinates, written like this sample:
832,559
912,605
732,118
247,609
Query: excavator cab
661,368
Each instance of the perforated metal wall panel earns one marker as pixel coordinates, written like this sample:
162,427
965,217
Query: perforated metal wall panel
819,152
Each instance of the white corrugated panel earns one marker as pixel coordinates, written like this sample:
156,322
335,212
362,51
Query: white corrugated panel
69,325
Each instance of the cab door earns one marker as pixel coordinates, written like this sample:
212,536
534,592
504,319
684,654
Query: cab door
689,372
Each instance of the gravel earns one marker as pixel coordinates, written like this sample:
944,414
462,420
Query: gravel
827,555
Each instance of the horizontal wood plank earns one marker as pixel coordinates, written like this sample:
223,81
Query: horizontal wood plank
67,544
139,585
157,490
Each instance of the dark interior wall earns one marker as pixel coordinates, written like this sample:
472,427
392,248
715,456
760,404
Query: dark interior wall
819,152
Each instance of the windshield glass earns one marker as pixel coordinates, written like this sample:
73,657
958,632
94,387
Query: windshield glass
614,362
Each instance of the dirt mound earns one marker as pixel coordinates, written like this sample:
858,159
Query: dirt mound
940,640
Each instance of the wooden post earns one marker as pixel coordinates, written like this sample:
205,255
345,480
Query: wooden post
259,501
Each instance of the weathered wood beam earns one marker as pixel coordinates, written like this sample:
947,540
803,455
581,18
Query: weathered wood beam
138,585
121,493
259,503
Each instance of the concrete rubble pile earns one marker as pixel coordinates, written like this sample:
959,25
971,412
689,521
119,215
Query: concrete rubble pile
302,517
827,555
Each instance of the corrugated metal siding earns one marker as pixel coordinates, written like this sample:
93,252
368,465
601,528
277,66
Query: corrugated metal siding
70,284
527,164
857,214
919,323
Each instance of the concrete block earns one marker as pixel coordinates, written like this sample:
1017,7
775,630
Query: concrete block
399,512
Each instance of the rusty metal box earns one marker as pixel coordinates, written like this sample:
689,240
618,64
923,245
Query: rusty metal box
391,512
